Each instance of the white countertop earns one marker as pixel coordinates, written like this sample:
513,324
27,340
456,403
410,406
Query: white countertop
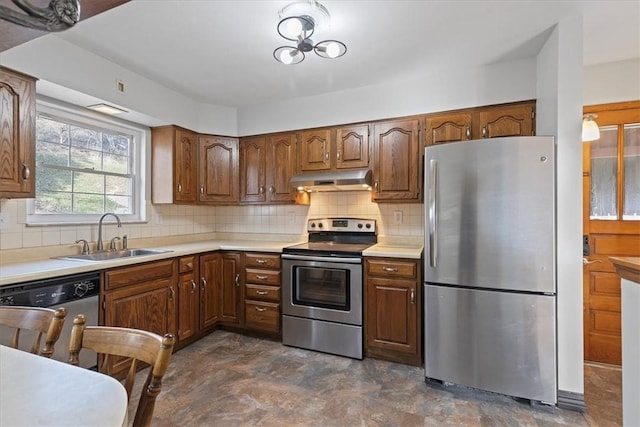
47,268
37,391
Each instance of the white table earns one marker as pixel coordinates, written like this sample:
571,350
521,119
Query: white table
35,391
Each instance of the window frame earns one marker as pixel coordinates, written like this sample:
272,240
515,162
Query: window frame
84,117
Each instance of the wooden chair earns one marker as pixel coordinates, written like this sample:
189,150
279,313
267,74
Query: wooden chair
41,321
136,344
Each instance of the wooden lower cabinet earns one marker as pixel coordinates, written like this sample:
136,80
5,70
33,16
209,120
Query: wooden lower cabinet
140,297
188,298
231,289
393,308
210,268
262,292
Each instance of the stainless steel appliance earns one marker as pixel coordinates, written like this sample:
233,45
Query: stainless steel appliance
490,266
322,287
79,294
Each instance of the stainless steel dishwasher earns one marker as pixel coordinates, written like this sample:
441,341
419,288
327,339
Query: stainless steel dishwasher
79,294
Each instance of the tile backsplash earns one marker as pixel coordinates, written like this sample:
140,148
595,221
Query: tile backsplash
173,220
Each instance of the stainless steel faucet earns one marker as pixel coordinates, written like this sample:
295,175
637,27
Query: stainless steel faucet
99,245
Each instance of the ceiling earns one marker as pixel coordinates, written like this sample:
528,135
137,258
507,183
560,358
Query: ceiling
220,52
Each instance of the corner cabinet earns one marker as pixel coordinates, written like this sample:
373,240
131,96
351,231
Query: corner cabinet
267,164
515,119
219,178
393,310
231,289
174,163
396,161
210,269
17,134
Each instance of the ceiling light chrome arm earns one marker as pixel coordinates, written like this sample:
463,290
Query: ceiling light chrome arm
58,16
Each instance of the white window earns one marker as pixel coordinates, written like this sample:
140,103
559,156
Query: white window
86,165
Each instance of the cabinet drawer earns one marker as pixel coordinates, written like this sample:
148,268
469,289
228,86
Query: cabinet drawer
186,264
266,277
139,273
265,293
271,261
263,316
392,268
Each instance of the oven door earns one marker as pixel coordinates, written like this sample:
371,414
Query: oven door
322,288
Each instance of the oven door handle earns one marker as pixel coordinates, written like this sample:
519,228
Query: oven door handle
322,259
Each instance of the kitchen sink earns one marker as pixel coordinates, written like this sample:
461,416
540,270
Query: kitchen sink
110,255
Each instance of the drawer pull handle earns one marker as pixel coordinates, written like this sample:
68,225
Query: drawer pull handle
391,269
262,292
173,293
193,286
189,265
26,172
261,261
413,296
261,277
261,309
237,280
204,282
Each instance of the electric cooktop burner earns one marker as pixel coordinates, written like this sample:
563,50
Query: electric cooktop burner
337,237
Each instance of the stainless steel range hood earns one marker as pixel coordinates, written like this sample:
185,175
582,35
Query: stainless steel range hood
351,180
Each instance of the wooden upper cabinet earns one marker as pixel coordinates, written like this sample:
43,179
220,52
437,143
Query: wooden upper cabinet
174,161
396,161
315,150
449,127
218,167
281,161
253,169
352,147
345,147
17,134
512,120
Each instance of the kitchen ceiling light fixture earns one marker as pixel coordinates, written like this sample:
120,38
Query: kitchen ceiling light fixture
590,129
298,22
107,109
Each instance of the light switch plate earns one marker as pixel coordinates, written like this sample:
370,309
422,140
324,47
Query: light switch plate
397,217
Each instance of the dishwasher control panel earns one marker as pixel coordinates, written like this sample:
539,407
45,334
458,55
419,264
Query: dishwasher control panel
49,292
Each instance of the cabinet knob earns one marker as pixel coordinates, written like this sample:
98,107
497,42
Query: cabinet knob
338,155
326,156
202,189
261,189
484,131
272,189
26,172
468,133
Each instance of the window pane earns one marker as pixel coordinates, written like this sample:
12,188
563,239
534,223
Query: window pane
119,186
52,154
86,159
48,180
631,172
88,203
86,138
53,203
49,130
115,144
88,183
604,173
116,164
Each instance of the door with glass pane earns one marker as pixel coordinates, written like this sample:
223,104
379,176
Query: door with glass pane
611,191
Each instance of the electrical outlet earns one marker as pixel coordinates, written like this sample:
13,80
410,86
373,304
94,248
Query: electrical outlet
4,221
397,217
159,219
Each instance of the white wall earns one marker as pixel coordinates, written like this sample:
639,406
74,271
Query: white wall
422,93
48,58
612,82
560,75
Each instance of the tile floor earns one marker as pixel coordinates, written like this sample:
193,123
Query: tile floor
228,379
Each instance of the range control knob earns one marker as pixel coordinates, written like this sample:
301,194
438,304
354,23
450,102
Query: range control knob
368,225
313,225
320,225
359,225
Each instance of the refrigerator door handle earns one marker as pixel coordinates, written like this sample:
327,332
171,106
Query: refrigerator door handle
433,199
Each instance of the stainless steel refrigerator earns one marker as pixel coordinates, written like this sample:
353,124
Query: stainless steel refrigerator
490,266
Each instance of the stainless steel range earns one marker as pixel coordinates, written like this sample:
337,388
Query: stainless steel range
322,287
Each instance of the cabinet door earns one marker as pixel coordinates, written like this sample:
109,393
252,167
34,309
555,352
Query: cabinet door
396,166
392,315
315,150
231,290
218,169
252,169
352,147
514,120
210,269
186,163
187,317
440,129
281,158
149,306
17,135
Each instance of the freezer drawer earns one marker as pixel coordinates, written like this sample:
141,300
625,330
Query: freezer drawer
491,340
